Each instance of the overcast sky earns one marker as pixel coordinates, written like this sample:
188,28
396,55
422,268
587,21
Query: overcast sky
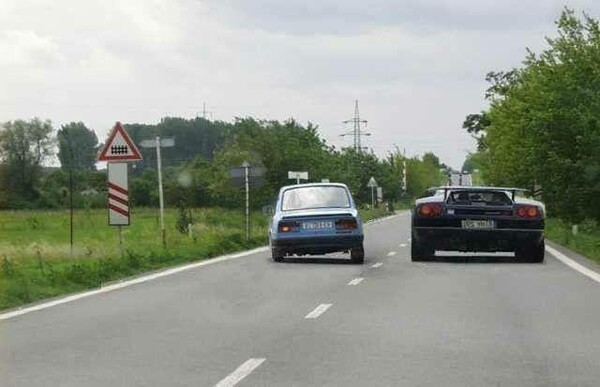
417,67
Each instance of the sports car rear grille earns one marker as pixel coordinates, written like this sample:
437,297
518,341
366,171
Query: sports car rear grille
523,224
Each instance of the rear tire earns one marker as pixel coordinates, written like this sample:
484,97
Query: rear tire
357,254
420,252
276,254
533,253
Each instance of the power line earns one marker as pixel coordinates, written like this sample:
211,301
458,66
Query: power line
356,131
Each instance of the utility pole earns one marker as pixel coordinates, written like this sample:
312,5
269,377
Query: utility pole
356,131
404,180
205,112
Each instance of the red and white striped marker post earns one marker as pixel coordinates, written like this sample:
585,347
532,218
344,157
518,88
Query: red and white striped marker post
118,195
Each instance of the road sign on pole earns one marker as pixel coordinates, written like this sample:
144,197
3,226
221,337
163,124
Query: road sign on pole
373,184
118,195
160,143
298,176
119,146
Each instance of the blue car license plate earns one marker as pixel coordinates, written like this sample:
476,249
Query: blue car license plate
317,225
478,224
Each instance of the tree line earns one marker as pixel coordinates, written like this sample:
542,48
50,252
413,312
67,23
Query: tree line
542,126
197,170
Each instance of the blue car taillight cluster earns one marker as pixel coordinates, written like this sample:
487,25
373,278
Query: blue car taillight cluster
288,226
346,224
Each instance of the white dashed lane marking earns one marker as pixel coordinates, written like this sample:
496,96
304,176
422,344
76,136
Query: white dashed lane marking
356,281
391,253
240,373
376,265
319,310
402,244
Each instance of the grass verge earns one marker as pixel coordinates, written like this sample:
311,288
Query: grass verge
36,261
585,242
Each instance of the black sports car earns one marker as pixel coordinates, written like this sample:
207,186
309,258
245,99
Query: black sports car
478,219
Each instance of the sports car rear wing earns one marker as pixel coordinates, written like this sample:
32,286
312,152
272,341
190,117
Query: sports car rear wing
449,188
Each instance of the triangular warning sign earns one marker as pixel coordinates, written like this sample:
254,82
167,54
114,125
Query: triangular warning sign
119,147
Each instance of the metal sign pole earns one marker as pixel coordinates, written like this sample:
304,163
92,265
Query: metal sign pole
246,166
160,192
372,198
121,239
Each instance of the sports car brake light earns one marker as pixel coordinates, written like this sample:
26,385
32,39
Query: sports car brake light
346,224
527,212
288,226
431,210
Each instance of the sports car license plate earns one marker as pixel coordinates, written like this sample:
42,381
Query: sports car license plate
478,224
317,225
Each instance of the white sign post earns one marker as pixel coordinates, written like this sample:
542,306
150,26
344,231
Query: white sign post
373,184
118,198
298,176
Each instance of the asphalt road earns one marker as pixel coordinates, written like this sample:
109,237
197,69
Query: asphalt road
390,322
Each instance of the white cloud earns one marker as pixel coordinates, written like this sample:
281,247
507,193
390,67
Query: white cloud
416,66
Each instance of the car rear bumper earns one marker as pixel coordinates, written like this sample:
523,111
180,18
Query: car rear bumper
457,239
317,244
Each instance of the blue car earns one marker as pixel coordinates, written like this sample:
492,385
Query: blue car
316,218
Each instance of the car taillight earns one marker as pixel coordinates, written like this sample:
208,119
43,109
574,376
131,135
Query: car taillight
288,226
431,210
527,212
346,224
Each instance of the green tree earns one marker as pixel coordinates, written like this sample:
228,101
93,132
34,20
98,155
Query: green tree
24,146
77,146
544,121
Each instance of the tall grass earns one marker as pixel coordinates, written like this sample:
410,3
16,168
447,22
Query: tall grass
585,242
36,260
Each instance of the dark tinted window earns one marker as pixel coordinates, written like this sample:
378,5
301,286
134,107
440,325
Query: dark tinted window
479,197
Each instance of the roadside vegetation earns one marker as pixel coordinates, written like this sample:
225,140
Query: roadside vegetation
36,260
542,128
34,268
586,241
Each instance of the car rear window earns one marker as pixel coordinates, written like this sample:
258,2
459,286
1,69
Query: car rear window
304,198
479,197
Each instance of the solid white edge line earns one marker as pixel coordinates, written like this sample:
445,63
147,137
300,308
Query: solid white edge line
124,284
356,281
240,373
573,265
319,310
163,273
